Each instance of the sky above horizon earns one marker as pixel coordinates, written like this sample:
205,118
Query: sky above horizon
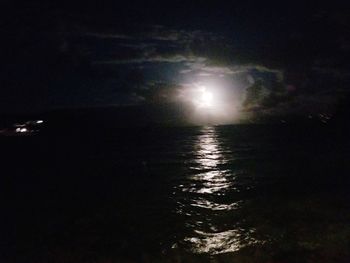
253,59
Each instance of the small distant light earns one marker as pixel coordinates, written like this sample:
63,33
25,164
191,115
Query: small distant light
39,121
21,130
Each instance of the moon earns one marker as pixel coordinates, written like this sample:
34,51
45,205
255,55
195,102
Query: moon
210,103
204,98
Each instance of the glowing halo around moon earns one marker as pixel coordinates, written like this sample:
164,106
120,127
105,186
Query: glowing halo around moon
204,98
210,103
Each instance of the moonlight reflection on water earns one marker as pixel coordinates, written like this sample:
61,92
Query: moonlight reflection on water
206,188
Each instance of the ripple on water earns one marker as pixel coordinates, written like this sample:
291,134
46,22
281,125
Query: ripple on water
202,199
206,204
221,242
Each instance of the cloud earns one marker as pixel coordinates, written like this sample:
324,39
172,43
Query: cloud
155,44
107,35
151,59
219,70
201,55
155,33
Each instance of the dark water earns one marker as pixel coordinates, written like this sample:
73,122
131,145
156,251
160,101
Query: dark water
205,194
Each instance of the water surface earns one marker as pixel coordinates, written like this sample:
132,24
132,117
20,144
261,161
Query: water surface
226,193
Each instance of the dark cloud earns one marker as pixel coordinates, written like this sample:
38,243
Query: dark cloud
275,58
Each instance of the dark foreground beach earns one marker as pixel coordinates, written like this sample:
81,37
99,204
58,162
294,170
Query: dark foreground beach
201,194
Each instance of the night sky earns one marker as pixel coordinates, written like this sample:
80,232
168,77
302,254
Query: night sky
257,59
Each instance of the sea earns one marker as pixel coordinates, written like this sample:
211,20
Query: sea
235,193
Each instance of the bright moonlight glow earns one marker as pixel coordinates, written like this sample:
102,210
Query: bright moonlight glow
212,103
207,98
204,99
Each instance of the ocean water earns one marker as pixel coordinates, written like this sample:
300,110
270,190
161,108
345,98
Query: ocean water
201,194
